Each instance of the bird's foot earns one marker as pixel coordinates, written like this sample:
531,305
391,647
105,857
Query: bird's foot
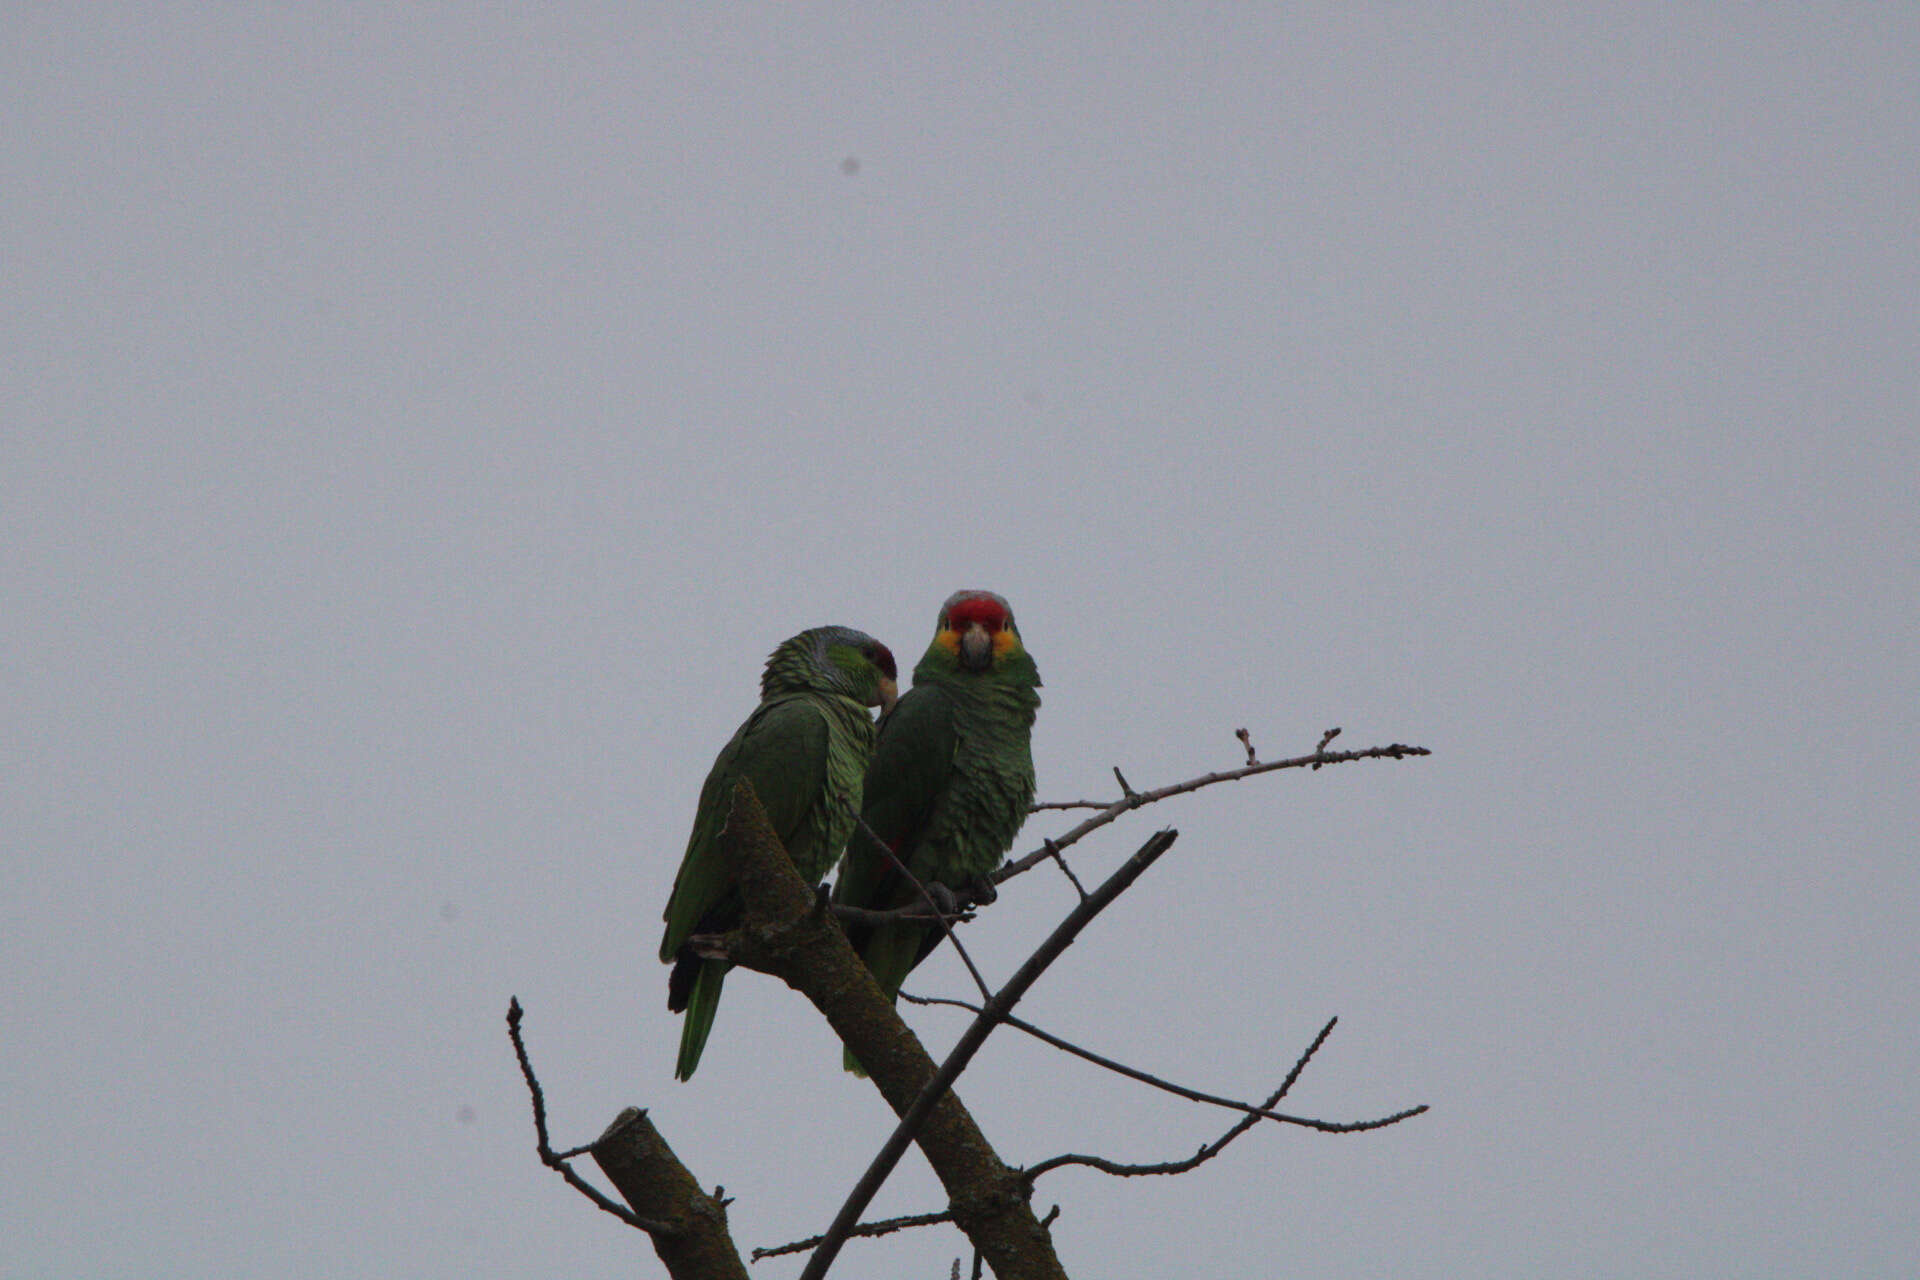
980,889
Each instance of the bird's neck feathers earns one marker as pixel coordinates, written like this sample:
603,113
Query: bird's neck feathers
1011,683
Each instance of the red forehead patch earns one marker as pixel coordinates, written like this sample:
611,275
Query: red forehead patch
985,610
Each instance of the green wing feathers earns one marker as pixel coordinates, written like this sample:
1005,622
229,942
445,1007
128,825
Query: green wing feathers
911,762
782,751
805,756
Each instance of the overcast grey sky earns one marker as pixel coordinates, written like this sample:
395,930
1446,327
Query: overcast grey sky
420,423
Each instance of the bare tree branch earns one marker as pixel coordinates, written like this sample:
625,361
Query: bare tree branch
1131,800
692,1239
1253,1114
1147,1078
1052,850
548,1156
886,1226
784,932
996,1010
687,1226
1214,1148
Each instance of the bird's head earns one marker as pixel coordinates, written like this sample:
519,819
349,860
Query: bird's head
977,629
837,660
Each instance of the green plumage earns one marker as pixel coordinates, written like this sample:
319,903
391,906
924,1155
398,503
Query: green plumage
805,749
951,779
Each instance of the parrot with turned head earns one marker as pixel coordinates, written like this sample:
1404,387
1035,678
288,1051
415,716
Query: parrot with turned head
950,782
805,749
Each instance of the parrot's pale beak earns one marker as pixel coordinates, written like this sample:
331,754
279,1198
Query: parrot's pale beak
889,694
976,648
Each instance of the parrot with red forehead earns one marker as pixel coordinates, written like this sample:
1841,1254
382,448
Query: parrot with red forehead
951,779
805,750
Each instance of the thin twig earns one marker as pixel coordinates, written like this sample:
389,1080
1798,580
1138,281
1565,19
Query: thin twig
1139,799
1199,1157
886,1226
1053,851
1145,1077
1246,740
548,1156
1214,1148
946,924
998,1006
1325,738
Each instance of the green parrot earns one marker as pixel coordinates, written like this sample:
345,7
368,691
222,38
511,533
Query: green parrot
805,750
951,779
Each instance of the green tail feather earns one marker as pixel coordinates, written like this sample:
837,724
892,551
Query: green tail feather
701,1006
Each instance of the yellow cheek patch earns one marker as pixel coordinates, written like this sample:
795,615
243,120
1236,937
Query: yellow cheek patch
948,640
1003,641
